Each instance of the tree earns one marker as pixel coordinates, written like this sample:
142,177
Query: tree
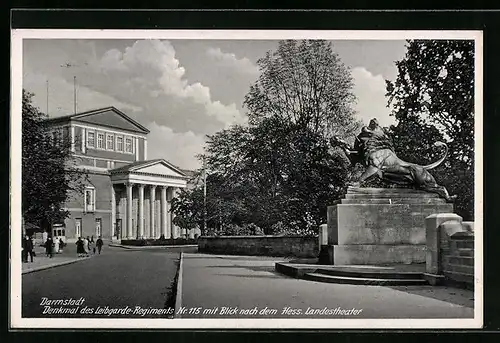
433,99
304,83
279,171
48,175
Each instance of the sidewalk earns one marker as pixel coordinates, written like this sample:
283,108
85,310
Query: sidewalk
246,282
41,261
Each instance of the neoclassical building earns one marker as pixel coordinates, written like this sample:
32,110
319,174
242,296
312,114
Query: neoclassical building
127,196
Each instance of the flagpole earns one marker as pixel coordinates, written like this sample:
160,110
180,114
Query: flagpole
74,94
204,197
47,97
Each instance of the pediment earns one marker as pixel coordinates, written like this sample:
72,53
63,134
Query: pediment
161,167
111,117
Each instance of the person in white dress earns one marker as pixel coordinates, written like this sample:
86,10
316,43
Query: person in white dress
56,246
86,246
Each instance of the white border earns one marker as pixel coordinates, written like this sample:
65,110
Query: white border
17,322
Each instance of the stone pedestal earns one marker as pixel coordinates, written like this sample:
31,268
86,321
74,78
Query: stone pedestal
381,225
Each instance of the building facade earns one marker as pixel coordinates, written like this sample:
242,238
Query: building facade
127,196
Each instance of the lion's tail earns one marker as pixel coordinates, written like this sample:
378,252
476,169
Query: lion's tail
438,162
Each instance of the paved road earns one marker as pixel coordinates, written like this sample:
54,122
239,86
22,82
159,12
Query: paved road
117,278
249,283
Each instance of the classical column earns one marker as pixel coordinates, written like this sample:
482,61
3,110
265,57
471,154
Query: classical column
113,212
163,206
141,211
152,198
170,229
129,210
145,149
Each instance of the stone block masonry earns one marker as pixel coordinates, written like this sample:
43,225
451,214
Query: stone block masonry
381,225
450,249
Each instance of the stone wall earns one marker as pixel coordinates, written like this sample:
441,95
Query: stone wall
450,249
457,253
260,245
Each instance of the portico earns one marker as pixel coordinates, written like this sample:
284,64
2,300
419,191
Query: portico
141,197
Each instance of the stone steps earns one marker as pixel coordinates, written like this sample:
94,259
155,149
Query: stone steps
468,252
464,244
369,273
363,280
457,268
459,260
356,275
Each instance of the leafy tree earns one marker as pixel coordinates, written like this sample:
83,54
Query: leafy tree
433,99
279,172
48,174
304,83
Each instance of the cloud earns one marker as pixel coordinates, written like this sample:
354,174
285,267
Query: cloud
242,65
143,76
179,148
370,91
150,67
61,96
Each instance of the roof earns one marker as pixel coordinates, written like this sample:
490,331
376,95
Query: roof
188,172
31,226
141,164
81,115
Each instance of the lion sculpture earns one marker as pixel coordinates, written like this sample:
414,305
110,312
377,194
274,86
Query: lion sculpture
374,149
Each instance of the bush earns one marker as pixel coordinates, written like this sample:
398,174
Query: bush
293,229
158,242
237,230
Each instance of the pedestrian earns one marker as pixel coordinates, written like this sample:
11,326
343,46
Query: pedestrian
91,247
99,244
61,245
86,245
80,250
27,249
49,244
56,246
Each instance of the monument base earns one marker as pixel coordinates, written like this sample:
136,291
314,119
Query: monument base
374,226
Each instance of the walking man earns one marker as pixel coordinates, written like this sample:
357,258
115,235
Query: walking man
48,246
99,244
27,249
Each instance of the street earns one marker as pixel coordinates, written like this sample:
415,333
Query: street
117,278
249,287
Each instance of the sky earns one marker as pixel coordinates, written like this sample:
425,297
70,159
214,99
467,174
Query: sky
182,90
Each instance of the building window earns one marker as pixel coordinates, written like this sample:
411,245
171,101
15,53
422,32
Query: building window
110,142
78,227
100,140
119,143
91,139
98,225
89,200
128,145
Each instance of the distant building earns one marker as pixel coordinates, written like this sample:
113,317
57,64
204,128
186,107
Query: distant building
127,196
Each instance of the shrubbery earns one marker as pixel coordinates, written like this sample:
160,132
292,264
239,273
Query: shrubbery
158,242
